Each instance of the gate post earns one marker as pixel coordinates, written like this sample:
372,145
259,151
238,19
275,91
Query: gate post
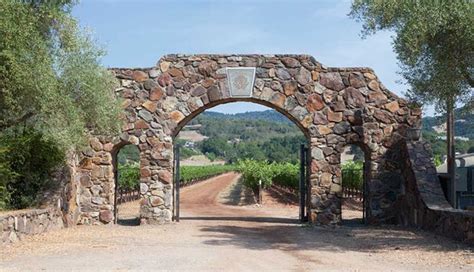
302,181
176,183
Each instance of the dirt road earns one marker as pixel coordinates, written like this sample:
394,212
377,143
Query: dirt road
219,232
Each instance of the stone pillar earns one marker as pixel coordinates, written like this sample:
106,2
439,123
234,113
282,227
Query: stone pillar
325,179
156,181
384,184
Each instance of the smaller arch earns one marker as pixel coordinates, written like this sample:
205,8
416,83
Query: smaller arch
355,174
115,161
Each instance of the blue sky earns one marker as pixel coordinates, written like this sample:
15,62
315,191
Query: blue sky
137,33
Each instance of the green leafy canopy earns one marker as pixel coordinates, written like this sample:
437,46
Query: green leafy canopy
434,42
50,75
53,92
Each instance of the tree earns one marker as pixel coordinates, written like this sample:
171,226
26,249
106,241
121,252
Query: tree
434,43
50,75
53,92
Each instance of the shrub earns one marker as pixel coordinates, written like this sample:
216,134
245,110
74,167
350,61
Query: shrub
27,161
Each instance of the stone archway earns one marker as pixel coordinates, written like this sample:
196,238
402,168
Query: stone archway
332,106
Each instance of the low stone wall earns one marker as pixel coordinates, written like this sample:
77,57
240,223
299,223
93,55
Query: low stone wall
15,226
422,202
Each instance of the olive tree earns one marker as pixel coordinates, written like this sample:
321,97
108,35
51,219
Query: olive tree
50,74
434,43
53,92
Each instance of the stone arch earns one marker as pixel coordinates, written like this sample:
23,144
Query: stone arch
332,106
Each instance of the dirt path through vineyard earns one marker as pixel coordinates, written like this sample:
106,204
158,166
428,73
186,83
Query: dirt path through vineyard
221,230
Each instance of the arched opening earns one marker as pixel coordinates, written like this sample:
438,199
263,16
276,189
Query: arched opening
220,154
355,168
127,184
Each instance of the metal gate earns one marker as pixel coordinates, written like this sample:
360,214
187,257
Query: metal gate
176,183
304,174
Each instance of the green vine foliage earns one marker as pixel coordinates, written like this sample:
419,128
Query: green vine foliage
256,172
286,175
129,176
190,173
353,175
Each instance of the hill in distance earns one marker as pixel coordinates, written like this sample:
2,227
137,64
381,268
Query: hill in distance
464,126
267,115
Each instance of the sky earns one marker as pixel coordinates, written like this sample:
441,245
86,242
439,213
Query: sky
137,33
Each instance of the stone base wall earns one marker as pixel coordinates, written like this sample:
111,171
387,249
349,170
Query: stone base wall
422,203
15,226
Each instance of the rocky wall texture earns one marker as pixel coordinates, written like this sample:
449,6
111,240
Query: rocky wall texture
422,202
15,226
333,107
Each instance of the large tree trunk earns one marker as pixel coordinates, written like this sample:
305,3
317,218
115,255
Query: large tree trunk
451,154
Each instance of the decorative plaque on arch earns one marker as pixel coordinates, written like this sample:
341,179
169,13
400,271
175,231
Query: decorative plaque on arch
241,81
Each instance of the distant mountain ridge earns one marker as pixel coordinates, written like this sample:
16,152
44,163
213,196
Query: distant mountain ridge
464,125
260,128
267,115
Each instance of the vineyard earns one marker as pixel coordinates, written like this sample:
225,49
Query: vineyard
192,174
287,174
253,172
129,174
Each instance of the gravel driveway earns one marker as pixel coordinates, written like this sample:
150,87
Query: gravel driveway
216,235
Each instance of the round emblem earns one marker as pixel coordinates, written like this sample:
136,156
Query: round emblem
241,82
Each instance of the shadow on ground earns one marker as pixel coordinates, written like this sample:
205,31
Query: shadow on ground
354,237
239,195
259,219
129,221
283,195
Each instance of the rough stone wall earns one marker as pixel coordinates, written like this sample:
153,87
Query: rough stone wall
15,226
422,203
332,106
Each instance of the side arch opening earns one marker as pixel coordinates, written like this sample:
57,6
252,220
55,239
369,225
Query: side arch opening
126,163
355,174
